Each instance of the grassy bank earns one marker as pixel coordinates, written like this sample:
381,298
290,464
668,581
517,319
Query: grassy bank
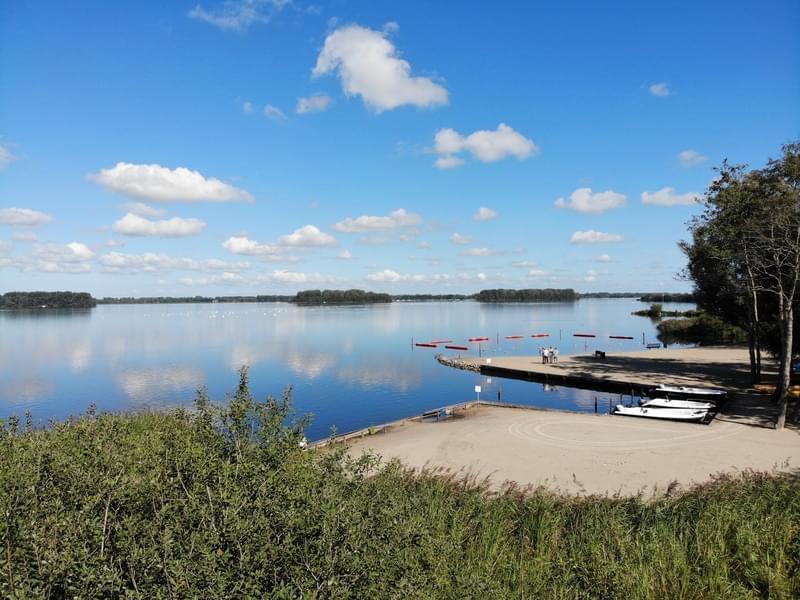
223,503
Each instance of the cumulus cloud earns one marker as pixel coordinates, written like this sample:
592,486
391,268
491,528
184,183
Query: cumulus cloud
307,236
602,258
344,255
461,240
480,252
594,237
225,278
296,277
6,157
25,236
54,258
524,264
241,244
132,224
395,219
424,245
669,197
274,113
537,274
368,65
585,201
238,15
312,104
247,107
161,184
660,89
484,145
143,210
153,262
691,158
23,216
484,214
448,162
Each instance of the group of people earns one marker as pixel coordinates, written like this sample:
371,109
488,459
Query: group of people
549,355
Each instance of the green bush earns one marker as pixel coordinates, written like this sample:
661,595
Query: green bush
221,502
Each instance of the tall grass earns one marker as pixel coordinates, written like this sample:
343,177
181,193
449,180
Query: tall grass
222,503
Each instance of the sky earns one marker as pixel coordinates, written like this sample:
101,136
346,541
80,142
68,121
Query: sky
268,146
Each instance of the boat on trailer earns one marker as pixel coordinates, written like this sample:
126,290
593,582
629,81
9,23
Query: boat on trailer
676,403
682,391
672,414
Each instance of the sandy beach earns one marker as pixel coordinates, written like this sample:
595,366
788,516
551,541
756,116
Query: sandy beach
602,454
584,453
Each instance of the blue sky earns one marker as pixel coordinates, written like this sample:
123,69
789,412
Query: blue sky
269,146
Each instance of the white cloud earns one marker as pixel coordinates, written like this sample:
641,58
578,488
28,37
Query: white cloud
25,236
691,158
484,145
114,244
161,184
594,237
247,107
448,162
238,15
223,279
484,214
132,224
660,89
369,66
23,216
6,157
312,104
395,219
274,113
585,201
143,210
152,262
461,240
424,245
537,274
307,236
55,258
344,255
295,277
480,252
241,244
669,197
602,258
524,264
590,276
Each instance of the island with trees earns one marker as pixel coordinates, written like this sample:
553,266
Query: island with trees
319,297
45,300
527,295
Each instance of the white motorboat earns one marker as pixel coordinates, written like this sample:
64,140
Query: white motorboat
672,414
673,403
688,392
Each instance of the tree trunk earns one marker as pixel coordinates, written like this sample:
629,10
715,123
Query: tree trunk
785,374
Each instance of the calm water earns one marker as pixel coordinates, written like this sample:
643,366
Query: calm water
350,366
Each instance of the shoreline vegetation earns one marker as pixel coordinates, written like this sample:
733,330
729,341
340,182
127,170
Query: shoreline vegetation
222,501
42,300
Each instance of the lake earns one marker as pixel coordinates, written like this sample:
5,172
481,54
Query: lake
350,366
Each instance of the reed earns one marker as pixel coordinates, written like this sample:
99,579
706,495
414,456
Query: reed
221,502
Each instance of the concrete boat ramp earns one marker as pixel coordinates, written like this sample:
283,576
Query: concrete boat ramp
624,372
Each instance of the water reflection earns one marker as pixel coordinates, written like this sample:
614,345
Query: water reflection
160,386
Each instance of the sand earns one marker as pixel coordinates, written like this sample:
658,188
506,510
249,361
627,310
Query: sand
584,453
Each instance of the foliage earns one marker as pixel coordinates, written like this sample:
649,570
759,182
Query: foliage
193,299
223,503
529,295
702,329
667,297
16,300
340,297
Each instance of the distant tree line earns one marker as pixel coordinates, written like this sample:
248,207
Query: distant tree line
668,297
430,297
308,297
47,300
528,295
193,299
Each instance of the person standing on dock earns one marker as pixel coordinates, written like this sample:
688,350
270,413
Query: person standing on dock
555,355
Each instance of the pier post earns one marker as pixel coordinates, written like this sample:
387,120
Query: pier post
595,405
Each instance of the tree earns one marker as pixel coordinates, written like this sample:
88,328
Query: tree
744,257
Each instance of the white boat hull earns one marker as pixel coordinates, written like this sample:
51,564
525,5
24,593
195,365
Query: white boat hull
672,414
672,403
689,392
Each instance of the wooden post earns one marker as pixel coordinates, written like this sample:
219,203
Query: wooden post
595,405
